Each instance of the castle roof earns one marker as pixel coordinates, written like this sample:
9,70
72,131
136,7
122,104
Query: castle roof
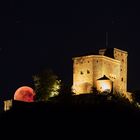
110,52
107,52
104,78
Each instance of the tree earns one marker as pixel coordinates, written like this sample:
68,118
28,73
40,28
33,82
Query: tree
94,90
46,85
66,89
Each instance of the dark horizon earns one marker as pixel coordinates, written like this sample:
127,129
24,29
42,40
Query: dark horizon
38,35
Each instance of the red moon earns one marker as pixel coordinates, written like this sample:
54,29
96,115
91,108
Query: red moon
25,94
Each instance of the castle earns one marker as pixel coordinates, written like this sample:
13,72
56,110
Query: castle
105,71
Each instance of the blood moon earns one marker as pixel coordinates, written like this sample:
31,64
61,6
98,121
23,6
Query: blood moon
25,94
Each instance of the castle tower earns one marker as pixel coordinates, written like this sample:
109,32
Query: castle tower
82,74
122,57
109,62
88,69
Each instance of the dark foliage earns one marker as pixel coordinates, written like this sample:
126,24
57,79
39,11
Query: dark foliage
69,114
44,84
83,102
137,95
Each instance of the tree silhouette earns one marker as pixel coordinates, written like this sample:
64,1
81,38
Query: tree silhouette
46,85
66,89
94,90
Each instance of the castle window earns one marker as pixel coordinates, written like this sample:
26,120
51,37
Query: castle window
97,61
88,72
122,79
88,61
81,73
122,60
121,69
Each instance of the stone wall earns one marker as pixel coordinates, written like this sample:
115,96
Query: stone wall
87,69
122,57
111,68
109,62
7,104
82,74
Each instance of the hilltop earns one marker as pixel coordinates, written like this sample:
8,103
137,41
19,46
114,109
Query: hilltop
85,104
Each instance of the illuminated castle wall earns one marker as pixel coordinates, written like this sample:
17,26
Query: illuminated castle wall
109,62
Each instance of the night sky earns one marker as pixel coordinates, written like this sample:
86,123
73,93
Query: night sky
36,34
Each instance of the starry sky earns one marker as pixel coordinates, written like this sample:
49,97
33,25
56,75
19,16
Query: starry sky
36,34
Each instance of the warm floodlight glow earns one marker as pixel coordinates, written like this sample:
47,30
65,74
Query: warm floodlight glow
7,105
25,94
104,85
55,89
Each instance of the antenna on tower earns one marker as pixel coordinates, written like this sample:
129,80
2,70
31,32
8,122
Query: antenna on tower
106,39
